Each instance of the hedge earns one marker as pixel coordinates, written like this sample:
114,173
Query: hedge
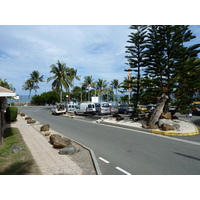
11,114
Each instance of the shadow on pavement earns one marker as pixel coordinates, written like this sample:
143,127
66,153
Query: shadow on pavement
192,157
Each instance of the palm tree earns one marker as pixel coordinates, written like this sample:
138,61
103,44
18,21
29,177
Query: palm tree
29,85
72,74
101,84
61,78
88,82
116,85
36,78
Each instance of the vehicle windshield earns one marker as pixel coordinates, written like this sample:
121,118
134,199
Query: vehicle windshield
105,105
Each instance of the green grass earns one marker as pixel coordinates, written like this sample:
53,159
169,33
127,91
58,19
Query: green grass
20,163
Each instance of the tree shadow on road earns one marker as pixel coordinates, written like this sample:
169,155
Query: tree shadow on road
187,156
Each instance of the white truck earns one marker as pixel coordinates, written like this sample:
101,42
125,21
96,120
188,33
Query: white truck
85,109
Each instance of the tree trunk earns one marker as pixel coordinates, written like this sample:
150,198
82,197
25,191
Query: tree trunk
158,110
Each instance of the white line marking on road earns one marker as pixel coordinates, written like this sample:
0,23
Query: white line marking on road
104,160
122,170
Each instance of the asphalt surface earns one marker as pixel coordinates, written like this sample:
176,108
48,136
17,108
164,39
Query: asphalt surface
124,151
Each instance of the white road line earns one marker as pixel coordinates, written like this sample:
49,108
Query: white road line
122,170
104,160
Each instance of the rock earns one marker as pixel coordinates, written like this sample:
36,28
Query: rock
167,127
59,142
115,115
174,117
69,150
30,121
166,116
22,114
153,127
47,133
144,126
177,126
16,148
119,118
26,118
167,121
45,127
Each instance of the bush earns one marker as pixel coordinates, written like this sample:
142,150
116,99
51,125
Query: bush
11,114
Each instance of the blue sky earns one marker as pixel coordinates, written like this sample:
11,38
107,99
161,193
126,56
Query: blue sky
94,50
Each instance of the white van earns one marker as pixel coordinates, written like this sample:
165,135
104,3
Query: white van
85,108
102,108
71,106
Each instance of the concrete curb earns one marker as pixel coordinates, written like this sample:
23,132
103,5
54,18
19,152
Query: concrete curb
176,133
168,133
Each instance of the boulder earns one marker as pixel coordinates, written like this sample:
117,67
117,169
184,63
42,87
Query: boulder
144,126
167,121
26,118
22,114
177,126
16,148
69,150
30,121
167,127
115,115
45,127
153,127
166,115
59,142
119,118
47,133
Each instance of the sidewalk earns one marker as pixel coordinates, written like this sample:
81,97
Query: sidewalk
46,157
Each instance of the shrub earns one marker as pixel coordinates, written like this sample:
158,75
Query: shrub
11,114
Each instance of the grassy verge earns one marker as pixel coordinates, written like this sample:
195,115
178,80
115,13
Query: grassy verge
20,163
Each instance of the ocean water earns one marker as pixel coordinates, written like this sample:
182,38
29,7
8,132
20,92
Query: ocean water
22,99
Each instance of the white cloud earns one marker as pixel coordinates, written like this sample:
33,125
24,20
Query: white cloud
97,51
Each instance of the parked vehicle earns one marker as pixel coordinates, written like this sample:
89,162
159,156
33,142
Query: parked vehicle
125,109
58,109
114,109
71,106
142,108
102,108
85,109
151,107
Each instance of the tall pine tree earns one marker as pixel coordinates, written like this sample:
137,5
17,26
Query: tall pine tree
136,57
166,55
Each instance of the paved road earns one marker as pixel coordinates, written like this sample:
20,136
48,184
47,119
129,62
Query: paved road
124,151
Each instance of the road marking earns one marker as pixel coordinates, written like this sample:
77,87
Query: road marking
104,160
122,170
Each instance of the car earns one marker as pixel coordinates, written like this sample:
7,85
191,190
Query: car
102,108
114,109
58,109
125,109
85,108
142,108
